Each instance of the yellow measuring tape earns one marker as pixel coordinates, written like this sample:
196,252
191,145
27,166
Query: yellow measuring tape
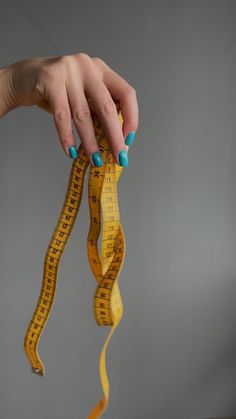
106,265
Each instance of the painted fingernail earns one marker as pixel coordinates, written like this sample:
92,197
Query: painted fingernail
123,158
73,152
97,159
130,138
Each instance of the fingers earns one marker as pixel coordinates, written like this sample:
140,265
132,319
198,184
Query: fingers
83,121
60,108
105,108
128,106
126,94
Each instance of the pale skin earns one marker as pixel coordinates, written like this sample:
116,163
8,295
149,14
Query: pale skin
73,88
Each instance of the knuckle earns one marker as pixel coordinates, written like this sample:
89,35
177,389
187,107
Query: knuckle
100,66
81,115
64,59
84,62
98,60
130,91
83,57
108,107
79,60
62,115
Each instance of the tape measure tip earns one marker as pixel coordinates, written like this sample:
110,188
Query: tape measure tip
37,371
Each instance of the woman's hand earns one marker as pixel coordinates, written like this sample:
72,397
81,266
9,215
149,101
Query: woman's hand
75,87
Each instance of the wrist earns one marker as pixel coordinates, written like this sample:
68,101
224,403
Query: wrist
6,104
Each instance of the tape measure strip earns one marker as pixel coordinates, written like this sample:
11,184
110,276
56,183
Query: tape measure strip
104,211
108,308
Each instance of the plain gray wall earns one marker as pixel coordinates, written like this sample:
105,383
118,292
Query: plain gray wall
173,355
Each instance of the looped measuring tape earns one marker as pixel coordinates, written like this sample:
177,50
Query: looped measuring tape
106,265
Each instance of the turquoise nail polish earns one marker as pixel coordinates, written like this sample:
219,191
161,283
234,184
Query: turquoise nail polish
73,152
123,158
97,159
130,138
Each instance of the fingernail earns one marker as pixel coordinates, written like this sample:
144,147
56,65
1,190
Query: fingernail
73,152
130,138
97,159
123,158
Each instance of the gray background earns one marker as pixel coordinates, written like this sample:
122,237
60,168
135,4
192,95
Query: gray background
173,355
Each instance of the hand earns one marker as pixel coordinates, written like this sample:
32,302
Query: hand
75,87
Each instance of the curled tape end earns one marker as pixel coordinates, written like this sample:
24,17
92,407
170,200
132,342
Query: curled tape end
37,371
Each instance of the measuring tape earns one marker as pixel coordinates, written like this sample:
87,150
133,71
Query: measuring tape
105,265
